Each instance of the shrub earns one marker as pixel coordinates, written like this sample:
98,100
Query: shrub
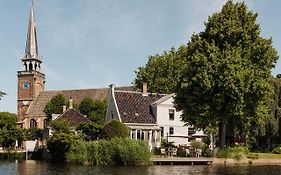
277,150
114,129
252,156
117,151
236,153
79,153
181,153
60,143
197,144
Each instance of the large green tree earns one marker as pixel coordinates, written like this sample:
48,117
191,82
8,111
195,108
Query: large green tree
55,105
226,81
9,132
95,110
162,72
269,132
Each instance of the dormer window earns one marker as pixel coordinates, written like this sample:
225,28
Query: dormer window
171,114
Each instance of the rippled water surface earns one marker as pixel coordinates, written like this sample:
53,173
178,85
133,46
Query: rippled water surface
43,168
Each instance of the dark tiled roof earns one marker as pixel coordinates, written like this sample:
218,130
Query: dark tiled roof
39,103
73,117
134,107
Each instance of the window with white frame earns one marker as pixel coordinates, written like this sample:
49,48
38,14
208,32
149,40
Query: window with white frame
171,114
171,130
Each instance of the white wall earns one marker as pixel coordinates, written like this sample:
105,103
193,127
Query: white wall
112,112
180,131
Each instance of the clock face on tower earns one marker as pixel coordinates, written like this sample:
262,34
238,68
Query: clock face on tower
25,85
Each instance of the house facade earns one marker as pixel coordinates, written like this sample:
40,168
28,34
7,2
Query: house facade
134,110
149,116
169,120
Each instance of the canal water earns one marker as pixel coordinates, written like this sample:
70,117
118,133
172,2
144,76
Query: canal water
43,168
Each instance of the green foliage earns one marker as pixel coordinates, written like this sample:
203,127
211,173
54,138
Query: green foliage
236,153
181,153
60,143
60,126
117,151
2,94
94,110
8,120
253,156
162,72
197,144
165,143
32,134
91,129
228,72
277,150
55,105
114,129
9,136
9,132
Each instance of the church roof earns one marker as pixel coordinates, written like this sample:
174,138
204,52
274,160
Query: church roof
36,108
73,117
134,107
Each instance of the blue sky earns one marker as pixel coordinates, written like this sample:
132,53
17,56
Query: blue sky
93,43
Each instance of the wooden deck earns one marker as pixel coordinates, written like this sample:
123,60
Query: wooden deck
181,161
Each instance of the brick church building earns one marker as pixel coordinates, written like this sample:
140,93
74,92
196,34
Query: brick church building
32,97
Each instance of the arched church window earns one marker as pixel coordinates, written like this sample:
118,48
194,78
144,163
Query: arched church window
33,123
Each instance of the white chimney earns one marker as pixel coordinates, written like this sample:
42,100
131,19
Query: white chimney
70,103
63,108
144,88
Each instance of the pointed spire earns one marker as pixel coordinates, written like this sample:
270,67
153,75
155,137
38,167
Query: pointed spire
31,48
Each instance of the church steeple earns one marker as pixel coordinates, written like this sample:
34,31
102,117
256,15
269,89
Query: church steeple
31,59
31,80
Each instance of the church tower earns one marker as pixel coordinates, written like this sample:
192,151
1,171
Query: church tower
31,79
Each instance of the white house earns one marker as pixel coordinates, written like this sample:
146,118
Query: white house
149,116
134,109
169,121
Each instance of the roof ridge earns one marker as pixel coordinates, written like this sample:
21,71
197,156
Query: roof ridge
137,92
81,89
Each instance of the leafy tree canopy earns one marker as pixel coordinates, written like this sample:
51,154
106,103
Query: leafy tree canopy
9,132
59,144
114,129
162,72
60,126
8,120
32,134
228,71
55,105
91,129
95,110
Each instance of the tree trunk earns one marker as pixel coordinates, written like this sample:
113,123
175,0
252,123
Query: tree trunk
222,134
